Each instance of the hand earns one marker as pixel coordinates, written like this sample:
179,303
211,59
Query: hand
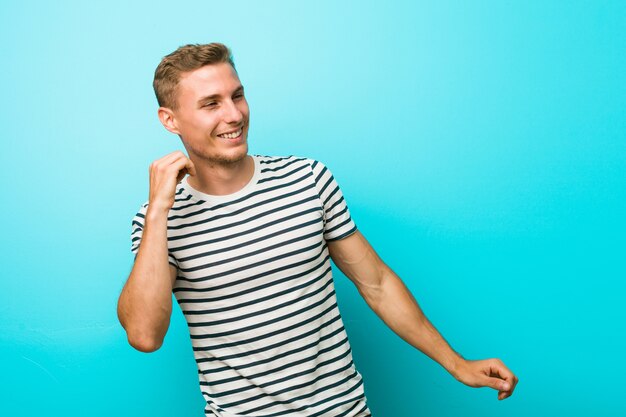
165,173
487,373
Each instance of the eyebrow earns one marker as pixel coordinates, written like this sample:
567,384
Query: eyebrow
214,96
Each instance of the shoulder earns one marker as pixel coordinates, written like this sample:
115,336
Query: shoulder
273,162
275,159
281,159
317,168
141,213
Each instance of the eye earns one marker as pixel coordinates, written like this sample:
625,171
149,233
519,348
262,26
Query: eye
238,95
210,104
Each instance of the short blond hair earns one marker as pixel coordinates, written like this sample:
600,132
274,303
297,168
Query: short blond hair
186,58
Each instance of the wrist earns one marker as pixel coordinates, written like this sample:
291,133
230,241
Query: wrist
456,366
157,212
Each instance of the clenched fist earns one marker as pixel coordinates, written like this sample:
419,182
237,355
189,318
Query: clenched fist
487,373
165,173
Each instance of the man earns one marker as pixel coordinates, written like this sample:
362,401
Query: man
244,243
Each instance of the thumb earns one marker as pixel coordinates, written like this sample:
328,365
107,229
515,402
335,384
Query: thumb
496,383
191,168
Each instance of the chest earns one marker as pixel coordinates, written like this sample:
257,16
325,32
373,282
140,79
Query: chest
224,253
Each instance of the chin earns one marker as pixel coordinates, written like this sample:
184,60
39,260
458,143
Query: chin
230,157
218,155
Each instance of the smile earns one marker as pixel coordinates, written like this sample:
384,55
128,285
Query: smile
232,135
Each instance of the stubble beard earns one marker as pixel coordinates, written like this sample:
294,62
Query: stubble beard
219,159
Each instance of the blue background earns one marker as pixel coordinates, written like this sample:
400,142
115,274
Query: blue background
481,147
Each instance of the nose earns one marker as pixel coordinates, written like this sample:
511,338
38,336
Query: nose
232,114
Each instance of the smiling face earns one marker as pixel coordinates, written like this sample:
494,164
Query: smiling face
212,114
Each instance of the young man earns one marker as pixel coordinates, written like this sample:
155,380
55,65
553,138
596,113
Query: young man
244,243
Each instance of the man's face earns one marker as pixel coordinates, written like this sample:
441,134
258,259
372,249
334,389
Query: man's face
211,103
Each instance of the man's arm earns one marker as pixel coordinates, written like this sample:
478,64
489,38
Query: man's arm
144,307
390,299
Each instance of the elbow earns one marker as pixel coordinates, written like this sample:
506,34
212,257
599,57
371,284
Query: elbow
372,294
141,335
374,290
141,340
145,344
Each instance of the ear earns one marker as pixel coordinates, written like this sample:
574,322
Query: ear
168,119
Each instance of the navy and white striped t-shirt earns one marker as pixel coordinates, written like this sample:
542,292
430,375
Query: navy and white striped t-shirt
256,288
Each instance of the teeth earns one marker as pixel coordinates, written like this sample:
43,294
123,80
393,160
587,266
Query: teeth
231,135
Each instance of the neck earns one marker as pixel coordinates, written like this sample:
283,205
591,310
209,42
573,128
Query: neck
221,178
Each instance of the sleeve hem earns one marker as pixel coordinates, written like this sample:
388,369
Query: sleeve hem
343,235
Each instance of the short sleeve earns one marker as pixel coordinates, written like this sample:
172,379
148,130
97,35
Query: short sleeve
337,220
137,231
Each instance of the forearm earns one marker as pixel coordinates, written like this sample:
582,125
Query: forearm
145,304
394,304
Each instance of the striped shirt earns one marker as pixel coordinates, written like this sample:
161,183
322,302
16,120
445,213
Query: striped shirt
256,288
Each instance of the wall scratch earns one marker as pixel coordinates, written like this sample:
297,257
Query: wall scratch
42,367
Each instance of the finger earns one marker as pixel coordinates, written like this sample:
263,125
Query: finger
497,384
191,168
182,167
188,168
184,163
505,394
499,370
515,380
172,161
170,157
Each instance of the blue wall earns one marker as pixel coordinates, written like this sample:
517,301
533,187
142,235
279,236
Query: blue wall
481,147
